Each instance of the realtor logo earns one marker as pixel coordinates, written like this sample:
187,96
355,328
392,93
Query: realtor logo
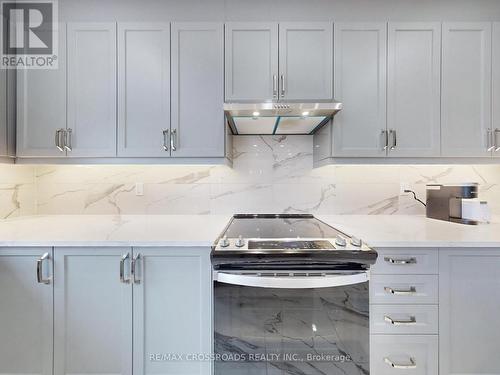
29,34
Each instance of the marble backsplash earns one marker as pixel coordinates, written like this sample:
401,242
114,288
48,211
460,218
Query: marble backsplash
270,174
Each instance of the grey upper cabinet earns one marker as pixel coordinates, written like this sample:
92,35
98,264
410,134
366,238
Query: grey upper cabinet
172,309
3,113
143,89
198,128
26,311
41,107
251,61
306,61
466,90
93,311
413,89
469,302
360,84
91,89
496,90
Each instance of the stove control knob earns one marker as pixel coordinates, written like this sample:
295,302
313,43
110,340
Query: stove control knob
356,242
224,242
240,242
340,241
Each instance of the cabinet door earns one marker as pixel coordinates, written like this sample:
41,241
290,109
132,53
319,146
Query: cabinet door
414,80
496,88
93,312
469,304
41,106
26,312
197,90
92,89
3,113
306,61
251,61
466,89
172,310
143,89
360,84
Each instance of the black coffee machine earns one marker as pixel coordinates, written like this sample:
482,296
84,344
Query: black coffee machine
444,202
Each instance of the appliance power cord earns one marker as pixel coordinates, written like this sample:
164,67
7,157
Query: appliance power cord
415,197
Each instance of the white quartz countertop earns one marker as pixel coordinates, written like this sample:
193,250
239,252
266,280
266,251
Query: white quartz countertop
201,230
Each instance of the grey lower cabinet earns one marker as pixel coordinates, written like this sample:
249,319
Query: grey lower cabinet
287,61
197,89
41,107
124,311
466,90
143,89
91,98
26,311
469,327
360,68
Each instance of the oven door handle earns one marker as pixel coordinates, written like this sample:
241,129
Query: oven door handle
290,282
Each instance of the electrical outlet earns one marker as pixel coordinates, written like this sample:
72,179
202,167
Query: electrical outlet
404,186
139,189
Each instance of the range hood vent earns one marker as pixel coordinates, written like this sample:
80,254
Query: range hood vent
279,118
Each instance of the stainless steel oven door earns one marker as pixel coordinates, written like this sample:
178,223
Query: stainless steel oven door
278,323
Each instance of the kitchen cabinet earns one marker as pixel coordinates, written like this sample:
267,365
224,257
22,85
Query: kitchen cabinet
306,61
172,310
360,84
496,89
26,311
251,61
3,114
143,89
198,126
41,107
92,311
91,90
271,62
413,89
469,302
466,90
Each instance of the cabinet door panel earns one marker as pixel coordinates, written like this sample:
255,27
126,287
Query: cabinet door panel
306,60
469,303
360,84
144,89
198,128
172,312
26,313
466,89
41,106
93,313
251,61
496,87
414,68
92,89
3,112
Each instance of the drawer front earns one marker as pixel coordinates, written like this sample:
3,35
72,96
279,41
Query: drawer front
404,319
405,261
404,289
400,355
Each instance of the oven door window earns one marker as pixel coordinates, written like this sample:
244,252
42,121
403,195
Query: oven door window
291,331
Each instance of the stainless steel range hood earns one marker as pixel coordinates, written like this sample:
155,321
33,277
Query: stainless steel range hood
279,118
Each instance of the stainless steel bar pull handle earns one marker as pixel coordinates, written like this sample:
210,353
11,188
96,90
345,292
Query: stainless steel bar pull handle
385,140
67,140
275,86
401,292
497,140
394,322
133,269
394,139
491,141
173,140
165,142
411,365
123,279
39,269
58,140
282,85
400,261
